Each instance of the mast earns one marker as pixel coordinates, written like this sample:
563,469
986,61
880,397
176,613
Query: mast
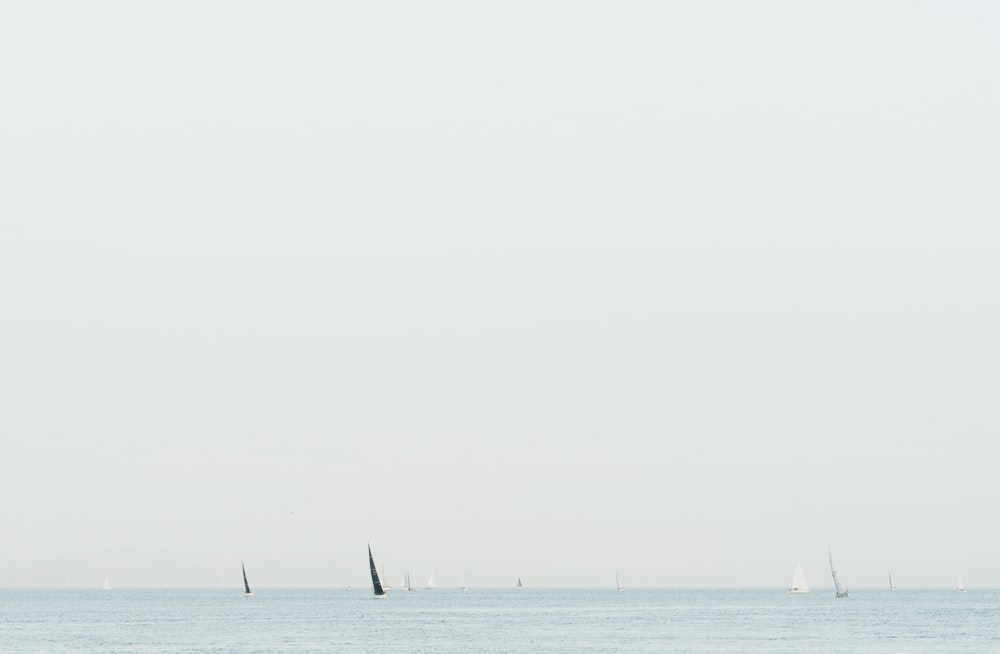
841,590
376,585
246,584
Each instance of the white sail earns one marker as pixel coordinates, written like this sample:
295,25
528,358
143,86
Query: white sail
461,582
107,584
430,582
841,589
959,586
799,585
891,585
618,582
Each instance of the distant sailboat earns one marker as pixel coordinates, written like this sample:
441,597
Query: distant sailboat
107,584
891,587
461,583
386,586
618,582
376,584
409,581
519,584
959,586
430,583
799,585
246,584
841,589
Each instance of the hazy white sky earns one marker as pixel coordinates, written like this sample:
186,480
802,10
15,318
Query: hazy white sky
687,290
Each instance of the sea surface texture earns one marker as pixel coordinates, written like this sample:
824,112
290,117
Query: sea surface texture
498,620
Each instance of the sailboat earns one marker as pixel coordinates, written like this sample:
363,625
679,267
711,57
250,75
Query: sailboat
246,584
841,589
618,582
461,583
799,585
386,586
376,584
891,587
959,586
409,581
107,584
430,583
519,584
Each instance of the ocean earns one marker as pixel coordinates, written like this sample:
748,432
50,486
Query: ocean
498,620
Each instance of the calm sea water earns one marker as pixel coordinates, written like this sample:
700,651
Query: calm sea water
495,620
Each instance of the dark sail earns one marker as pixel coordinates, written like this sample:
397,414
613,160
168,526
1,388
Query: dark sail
245,583
376,584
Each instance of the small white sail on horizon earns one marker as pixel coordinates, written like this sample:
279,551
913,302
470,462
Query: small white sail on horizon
799,585
618,582
107,584
892,587
959,586
840,588
430,583
461,583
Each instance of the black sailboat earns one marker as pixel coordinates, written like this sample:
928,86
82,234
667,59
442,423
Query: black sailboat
376,584
246,584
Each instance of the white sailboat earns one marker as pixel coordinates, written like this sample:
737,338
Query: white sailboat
107,584
409,581
959,586
461,583
840,588
891,586
430,583
618,582
799,585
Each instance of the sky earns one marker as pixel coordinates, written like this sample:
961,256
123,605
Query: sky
690,291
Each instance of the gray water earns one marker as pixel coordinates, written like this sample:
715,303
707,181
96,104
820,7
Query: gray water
498,620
